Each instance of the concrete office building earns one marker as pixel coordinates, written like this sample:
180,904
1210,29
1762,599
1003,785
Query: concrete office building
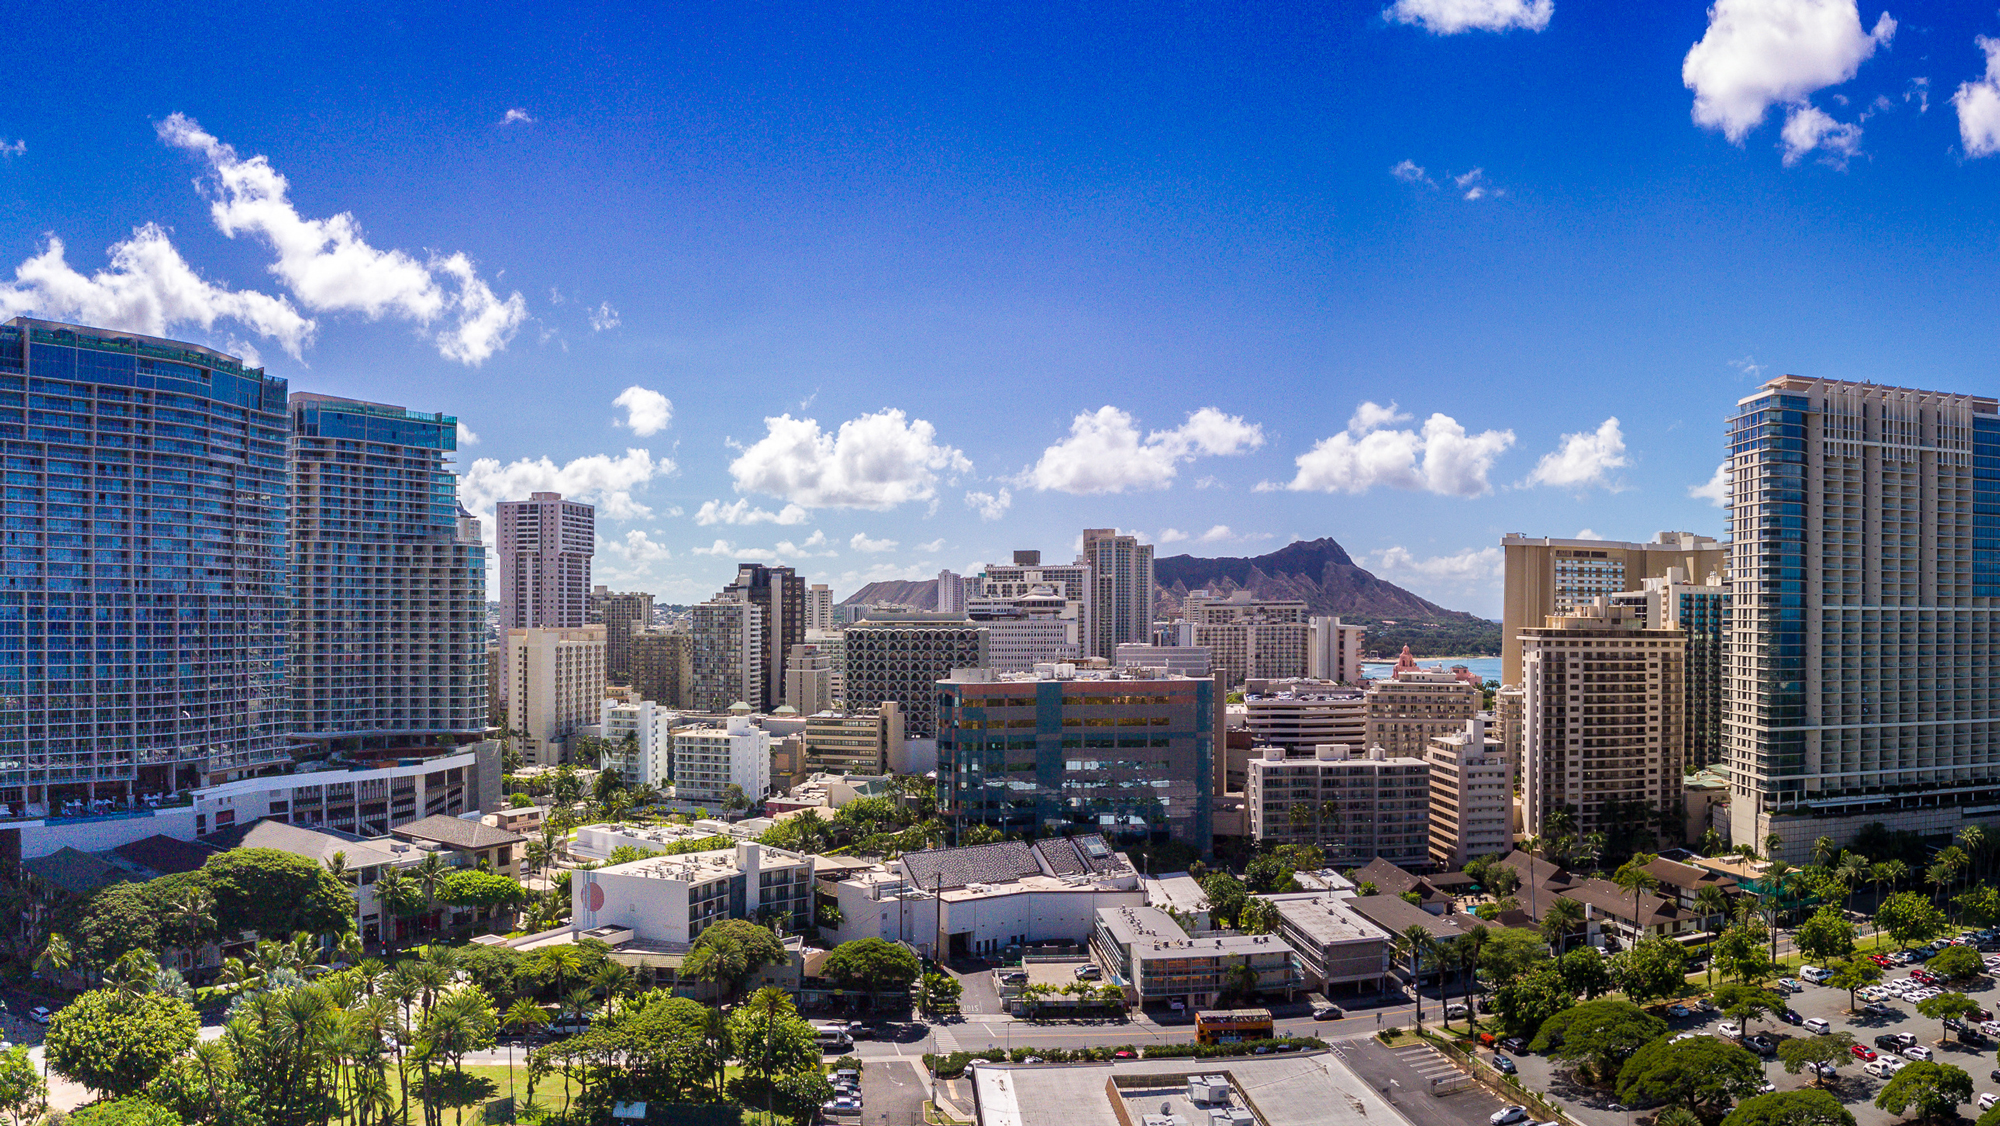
544,545
781,623
662,667
1339,951
555,684
622,614
1027,574
952,591
900,657
709,760
1409,707
1305,713
809,679
1248,637
146,557
1121,601
670,900
1555,576
388,621
1121,751
1862,655
1601,718
819,608
1143,949
369,801
725,655
1025,630
844,742
638,741
1472,796
1336,650
1181,660
832,644
1355,807
1701,612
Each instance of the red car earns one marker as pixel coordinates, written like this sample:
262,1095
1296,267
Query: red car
1924,976
1124,1055
1882,960
1862,1052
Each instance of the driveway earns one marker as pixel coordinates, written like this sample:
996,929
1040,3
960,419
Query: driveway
892,1093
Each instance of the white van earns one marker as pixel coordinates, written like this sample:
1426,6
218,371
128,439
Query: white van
1815,974
1917,1052
1817,1026
1883,1068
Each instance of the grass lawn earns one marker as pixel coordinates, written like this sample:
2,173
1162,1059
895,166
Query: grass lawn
490,1081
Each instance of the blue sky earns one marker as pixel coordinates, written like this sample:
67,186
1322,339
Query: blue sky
903,287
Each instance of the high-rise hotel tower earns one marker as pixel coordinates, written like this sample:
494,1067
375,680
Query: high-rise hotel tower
1861,680
142,608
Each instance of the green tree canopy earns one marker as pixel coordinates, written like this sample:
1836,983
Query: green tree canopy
1745,1003
1584,973
133,1111
1527,1002
871,965
1510,952
276,894
115,1043
1700,1073
1930,1090
111,923
1790,1108
1910,917
1957,963
1852,974
1598,1034
1268,872
1652,970
471,888
1226,896
1825,936
728,952
1800,1052
1979,906
20,1084
770,1037
1947,1006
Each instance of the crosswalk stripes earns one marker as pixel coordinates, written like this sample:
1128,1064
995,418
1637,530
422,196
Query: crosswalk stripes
1428,1061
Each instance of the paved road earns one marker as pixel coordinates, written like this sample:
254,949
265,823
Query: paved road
893,1093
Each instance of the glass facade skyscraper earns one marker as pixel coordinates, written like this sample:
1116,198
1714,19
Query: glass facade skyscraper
388,620
142,605
1862,642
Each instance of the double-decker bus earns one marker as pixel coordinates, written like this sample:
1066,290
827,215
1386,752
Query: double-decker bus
1227,1026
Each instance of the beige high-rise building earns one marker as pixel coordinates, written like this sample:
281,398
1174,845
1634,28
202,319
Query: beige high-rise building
1412,706
1251,638
1861,656
1472,796
1553,576
1336,651
862,742
726,655
622,614
819,607
1602,718
1355,807
1027,576
1121,570
555,682
1305,713
661,666
544,545
809,679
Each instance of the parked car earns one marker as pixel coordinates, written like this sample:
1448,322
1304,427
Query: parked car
1087,973
1987,1100
1791,1016
1816,1025
1791,985
40,1015
1862,1052
1884,1067
1504,1065
1124,1054
1814,974
1876,1009
1761,1044
1455,1011
1679,1011
1729,1030
1515,1045
1508,1114
1917,1052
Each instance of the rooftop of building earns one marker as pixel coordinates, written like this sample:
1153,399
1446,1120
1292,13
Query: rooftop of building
697,867
1675,874
1151,932
456,832
161,855
1984,403
1069,671
1326,918
1609,898
1392,880
317,845
1178,891
1008,861
1309,1089
73,871
1661,541
1396,915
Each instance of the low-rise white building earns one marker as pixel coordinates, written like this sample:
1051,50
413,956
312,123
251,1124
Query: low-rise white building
638,741
1339,949
672,899
367,801
597,842
992,896
1146,952
708,760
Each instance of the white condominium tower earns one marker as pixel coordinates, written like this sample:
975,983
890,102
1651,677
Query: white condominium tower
1122,604
544,545
1866,574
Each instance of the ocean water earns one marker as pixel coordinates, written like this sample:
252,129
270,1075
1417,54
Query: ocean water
1485,668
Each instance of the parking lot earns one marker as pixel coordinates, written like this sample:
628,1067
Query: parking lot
1853,1087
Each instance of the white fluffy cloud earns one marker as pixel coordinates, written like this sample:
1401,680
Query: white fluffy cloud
148,288
861,542
647,412
814,545
466,437
1449,17
1442,458
329,267
1760,53
1584,459
876,461
516,116
1169,535
990,506
637,549
1978,105
1715,490
1483,564
603,317
742,512
747,554
1105,452
1809,127
9,149
1410,172
600,479
932,547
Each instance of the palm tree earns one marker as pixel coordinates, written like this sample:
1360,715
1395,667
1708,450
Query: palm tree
349,878
1533,847
1777,874
429,875
522,1014
1711,842
1418,945
1772,843
1854,870
614,979
1633,877
398,896
1564,915
1824,850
